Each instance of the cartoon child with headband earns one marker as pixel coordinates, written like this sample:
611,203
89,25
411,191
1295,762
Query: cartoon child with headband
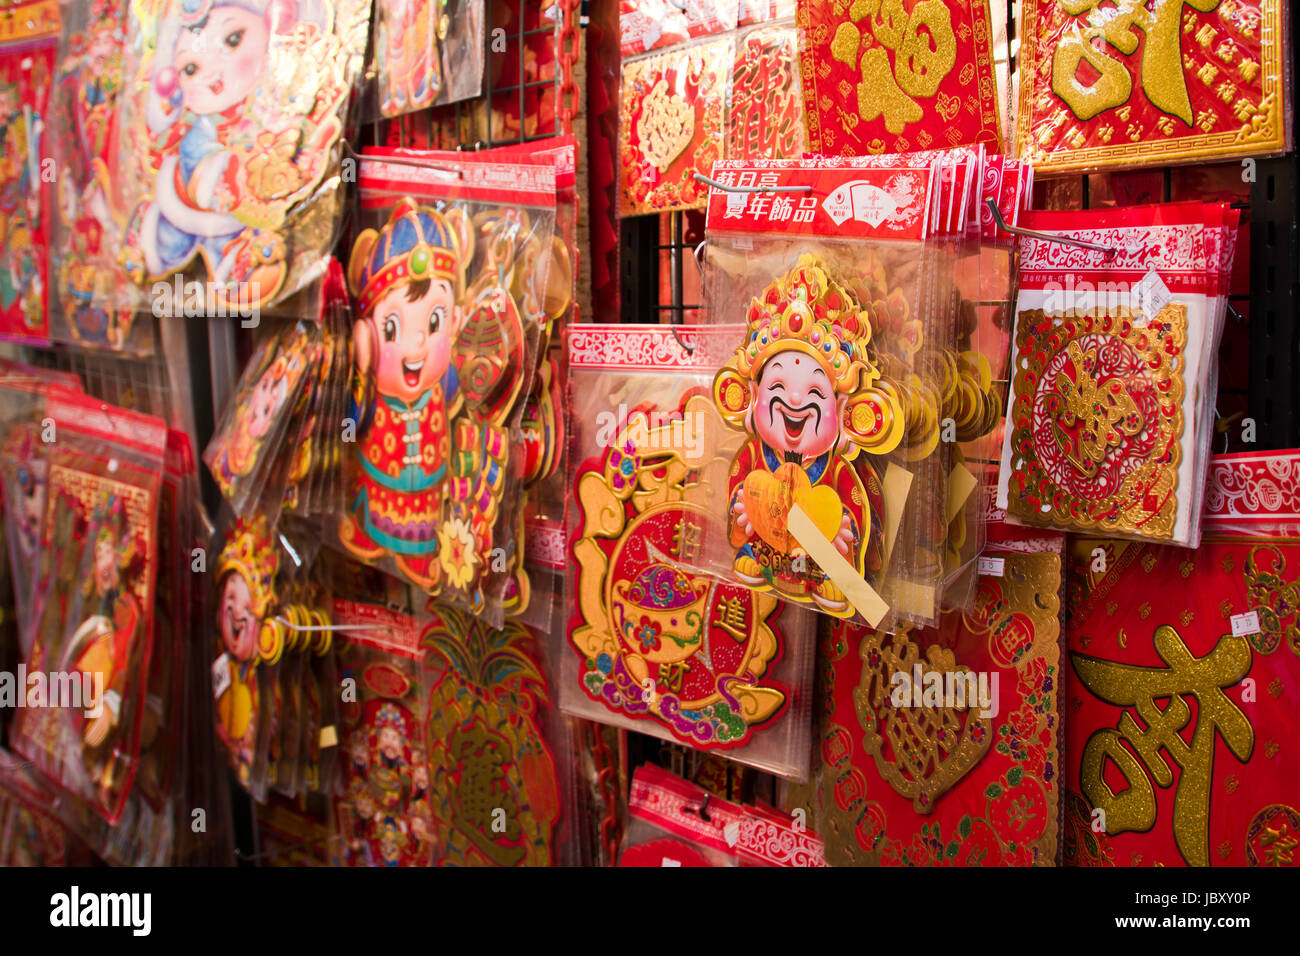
408,280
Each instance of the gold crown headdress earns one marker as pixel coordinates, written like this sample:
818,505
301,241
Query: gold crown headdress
808,312
250,553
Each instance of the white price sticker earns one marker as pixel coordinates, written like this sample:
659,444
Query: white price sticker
221,675
1152,294
731,833
1244,624
992,567
669,861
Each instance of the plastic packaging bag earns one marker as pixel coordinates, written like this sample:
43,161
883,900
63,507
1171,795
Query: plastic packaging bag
450,281
1115,366
651,645
94,619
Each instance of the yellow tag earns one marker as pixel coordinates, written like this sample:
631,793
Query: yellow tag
858,592
960,485
913,599
897,486
329,737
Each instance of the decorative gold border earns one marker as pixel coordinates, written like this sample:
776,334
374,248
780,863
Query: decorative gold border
1165,151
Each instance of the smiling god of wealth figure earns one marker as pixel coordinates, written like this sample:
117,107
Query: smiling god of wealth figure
802,387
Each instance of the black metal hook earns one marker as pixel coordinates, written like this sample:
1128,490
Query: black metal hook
1109,251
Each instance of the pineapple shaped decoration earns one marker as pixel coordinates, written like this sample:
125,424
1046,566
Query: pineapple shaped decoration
494,797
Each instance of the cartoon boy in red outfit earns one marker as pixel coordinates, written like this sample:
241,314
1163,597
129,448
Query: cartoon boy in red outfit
801,386
408,281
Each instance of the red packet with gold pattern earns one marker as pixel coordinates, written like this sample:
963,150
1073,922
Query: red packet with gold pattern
381,813
897,76
1114,355
939,745
765,120
653,646
1153,780
27,35
1126,86
672,125
94,623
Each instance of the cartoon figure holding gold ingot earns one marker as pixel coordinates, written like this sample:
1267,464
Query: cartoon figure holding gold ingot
801,386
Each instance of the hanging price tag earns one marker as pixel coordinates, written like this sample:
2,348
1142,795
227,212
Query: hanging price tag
1152,294
220,675
992,567
1245,624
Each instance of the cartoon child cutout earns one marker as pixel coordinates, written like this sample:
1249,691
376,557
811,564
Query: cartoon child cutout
245,598
801,386
213,57
237,448
408,281
409,71
104,643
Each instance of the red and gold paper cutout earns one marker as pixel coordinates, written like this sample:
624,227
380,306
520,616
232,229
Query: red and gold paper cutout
1097,420
765,120
931,782
488,748
672,126
1179,729
1124,85
897,75
657,642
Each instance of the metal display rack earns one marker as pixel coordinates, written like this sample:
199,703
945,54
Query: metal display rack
655,252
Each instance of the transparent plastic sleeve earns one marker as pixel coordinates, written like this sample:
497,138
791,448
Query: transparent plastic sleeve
653,645
450,281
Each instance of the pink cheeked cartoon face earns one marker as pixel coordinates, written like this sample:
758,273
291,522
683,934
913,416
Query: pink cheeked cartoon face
106,575
221,61
268,395
236,620
796,408
415,337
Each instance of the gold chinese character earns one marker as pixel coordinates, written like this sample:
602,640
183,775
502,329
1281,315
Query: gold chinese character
1226,91
1248,69
1162,58
671,675
1094,415
1225,51
1278,846
731,618
1125,685
925,51
1207,73
1205,35
687,541
1243,109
